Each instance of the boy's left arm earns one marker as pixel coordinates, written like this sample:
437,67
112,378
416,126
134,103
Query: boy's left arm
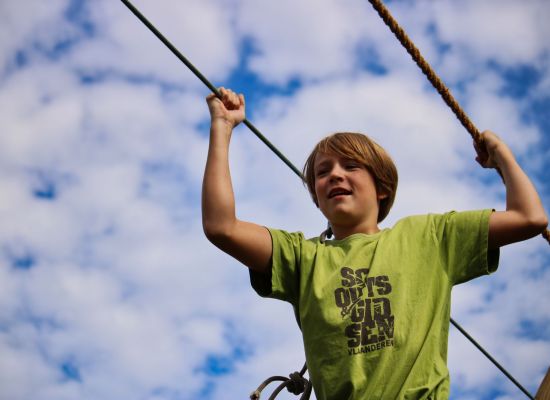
524,216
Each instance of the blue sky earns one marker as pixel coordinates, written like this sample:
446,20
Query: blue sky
108,288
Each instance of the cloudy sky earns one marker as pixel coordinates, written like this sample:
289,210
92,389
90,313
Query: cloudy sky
108,287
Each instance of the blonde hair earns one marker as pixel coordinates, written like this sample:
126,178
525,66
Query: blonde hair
360,148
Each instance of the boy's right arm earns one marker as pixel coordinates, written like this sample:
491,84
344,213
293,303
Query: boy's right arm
247,242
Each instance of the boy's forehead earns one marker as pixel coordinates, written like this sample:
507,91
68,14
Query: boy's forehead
322,157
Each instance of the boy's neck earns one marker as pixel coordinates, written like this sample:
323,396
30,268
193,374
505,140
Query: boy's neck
342,232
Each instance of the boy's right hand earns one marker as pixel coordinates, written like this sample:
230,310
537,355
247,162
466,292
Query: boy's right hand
230,109
247,242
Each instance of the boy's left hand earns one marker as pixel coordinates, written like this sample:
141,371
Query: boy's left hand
490,151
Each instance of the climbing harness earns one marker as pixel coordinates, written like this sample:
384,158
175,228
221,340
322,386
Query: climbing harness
296,383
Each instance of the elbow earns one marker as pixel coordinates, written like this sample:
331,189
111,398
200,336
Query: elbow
537,223
511,227
215,236
217,233
542,223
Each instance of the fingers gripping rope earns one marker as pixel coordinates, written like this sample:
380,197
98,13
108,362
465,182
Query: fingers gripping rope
436,82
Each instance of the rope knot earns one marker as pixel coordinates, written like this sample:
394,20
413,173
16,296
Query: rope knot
296,384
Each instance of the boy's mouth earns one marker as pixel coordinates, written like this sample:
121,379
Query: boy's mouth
338,192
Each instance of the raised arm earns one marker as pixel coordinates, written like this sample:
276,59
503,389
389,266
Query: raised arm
247,242
524,216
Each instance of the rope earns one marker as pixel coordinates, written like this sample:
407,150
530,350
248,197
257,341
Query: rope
295,384
436,82
291,382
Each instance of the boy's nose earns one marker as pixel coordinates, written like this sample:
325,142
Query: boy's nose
336,173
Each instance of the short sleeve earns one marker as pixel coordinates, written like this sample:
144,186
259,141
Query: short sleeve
463,238
282,281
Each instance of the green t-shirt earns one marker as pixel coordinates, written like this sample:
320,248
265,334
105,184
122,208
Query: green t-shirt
374,309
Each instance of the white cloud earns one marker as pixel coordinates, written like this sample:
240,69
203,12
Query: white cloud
307,39
512,33
123,45
20,28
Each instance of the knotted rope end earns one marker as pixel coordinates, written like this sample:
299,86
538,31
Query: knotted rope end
296,384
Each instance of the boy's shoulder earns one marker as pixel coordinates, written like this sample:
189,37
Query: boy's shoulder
439,223
441,217
417,220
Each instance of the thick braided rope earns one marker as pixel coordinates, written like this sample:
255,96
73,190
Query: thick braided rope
432,77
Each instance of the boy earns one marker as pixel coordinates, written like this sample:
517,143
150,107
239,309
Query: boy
373,305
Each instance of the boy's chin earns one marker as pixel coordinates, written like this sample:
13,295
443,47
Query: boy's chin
339,217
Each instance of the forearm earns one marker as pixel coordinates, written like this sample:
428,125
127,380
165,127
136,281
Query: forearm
218,201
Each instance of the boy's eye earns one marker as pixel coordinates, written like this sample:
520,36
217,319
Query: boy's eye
352,166
321,172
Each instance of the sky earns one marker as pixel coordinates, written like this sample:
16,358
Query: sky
108,287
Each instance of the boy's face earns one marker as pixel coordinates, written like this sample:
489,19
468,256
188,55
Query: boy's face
345,190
